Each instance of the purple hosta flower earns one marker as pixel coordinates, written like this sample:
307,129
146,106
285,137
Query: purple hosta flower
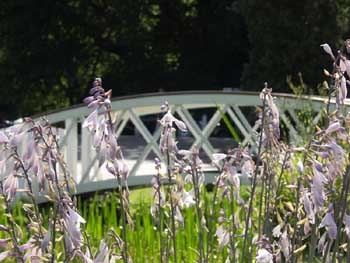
223,236
186,199
178,216
328,50
38,171
322,244
333,127
10,186
47,238
85,257
72,221
4,255
218,157
121,167
285,245
264,251
317,190
4,242
329,223
168,120
248,168
167,142
336,161
342,90
346,221
276,231
101,127
308,205
3,137
263,256
271,130
103,255
157,192
3,228
33,251
300,167
91,121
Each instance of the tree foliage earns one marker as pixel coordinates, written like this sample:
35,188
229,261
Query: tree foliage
285,39
50,50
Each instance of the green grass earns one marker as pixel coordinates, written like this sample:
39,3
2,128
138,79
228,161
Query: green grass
101,213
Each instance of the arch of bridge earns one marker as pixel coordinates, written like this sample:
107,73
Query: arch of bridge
82,159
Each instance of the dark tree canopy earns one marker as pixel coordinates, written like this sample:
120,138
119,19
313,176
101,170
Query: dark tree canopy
51,50
285,39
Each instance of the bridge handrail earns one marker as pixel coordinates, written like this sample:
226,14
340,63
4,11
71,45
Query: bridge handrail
131,108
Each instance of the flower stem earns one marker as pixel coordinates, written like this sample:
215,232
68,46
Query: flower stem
211,216
254,183
198,209
12,226
173,234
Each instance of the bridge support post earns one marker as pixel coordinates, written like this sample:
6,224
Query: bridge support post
71,130
88,157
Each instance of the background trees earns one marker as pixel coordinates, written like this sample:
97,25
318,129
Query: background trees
50,50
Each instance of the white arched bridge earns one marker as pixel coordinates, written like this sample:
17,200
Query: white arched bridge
215,121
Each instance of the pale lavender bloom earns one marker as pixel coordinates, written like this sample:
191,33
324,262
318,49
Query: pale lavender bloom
308,206
223,236
84,257
346,221
248,168
322,244
103,255
263,256
333,127
318,193
187,199
178,216
328,50
336,164
329,223
217,157
72,221
167,142
300,167
3,137
168,120
121,167
33,251
10,186
3,228
342,90
91,121
285,245
271,130
4,242
4,255
276,231
318,166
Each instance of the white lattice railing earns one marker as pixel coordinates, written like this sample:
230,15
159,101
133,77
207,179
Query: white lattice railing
132,111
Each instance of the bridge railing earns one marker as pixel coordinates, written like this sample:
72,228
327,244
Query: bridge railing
132,111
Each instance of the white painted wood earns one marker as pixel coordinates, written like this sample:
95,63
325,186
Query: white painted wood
133,107
71,128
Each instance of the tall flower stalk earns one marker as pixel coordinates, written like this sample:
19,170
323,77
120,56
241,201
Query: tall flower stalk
100,124
264,98
168,147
